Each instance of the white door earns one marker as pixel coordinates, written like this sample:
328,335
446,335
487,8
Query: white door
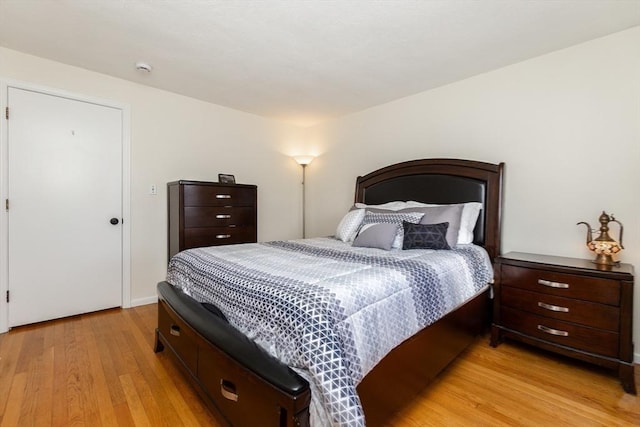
64,189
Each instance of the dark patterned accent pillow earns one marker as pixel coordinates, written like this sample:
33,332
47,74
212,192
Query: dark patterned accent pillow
425,236
445,213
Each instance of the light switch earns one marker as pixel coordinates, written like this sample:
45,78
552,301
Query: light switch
153,189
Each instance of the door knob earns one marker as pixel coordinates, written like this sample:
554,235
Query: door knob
114,221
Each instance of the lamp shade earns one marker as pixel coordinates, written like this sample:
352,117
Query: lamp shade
303,160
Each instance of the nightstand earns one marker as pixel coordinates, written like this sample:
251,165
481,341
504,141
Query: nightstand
568,306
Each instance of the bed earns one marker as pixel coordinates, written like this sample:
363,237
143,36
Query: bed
249,386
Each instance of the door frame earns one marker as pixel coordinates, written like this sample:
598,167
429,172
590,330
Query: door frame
5,85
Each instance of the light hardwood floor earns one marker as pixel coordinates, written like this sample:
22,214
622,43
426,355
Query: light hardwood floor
100,369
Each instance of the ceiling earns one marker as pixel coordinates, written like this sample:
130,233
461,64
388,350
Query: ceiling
303,61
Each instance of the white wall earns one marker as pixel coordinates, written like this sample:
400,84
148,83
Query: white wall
175,137
566,124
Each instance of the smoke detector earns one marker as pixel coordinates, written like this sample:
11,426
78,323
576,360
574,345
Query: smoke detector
143,66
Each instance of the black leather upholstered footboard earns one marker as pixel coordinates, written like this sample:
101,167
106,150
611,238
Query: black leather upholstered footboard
232,373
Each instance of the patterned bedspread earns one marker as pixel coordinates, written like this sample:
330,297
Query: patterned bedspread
329,310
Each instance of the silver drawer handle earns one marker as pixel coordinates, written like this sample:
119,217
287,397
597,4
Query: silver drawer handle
223,236
553,284
223,196
175,330
223,216
553,331
228,390
553,307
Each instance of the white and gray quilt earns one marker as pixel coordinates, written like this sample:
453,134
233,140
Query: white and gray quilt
329,310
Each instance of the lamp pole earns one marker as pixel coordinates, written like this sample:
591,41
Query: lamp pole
303,161
304,202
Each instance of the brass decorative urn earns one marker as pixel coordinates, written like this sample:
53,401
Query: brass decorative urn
604,245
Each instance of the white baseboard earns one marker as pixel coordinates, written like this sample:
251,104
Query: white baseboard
144,301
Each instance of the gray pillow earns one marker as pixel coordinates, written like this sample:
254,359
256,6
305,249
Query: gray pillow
392,218
379,236
439,214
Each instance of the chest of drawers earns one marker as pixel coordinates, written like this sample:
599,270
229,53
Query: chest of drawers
568,306
209,214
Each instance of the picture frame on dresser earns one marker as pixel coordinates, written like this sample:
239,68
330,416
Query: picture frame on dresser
224,178
568,306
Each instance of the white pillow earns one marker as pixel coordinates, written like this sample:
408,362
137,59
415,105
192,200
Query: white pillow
349,225
391,206
468,220
470,213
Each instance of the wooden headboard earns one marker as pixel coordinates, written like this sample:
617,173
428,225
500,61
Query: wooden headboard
442,181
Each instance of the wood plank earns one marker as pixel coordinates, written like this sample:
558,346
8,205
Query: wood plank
41,373
9,352
136,407
60,410
107,414
105,330
16,397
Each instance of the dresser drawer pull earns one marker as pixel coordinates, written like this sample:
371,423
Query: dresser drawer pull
553,284
175,330
223,236
553,331
228,390
223,196
553,307
221,216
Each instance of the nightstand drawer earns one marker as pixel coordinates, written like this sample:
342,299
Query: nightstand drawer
565,285
591,314
564,333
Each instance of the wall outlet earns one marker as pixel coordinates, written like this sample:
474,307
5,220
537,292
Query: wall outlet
153,190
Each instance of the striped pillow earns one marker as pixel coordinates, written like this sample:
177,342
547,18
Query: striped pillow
392,218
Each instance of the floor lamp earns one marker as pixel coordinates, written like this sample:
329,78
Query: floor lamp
303,161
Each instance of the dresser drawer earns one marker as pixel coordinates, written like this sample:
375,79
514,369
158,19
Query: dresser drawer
591,314
178,336
218,216
202,195
561,284
213,236
565,333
